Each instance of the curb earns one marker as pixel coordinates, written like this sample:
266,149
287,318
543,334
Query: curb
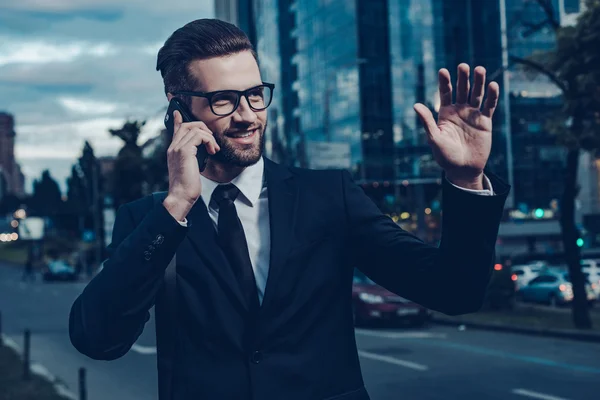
41,371
555,333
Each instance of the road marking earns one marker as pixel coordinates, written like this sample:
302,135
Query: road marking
401,335
392,360
518,357
536,395
144,349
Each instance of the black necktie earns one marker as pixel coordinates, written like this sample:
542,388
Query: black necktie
233,242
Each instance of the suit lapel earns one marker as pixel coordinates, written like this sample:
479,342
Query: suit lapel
283,195
203,237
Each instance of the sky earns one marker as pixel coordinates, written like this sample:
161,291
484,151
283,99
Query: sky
72,69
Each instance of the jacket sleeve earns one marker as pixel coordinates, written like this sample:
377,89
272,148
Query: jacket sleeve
109,315
451,278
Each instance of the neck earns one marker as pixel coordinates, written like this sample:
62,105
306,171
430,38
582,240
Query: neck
222,173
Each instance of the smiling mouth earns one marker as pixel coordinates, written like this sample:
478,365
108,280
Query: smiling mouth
242,134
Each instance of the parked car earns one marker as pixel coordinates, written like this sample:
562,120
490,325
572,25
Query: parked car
526,272
552,286
592,269
372,303
56,268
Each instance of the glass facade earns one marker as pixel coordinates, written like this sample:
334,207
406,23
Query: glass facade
523,41
327,73
539,162
267,46
414,49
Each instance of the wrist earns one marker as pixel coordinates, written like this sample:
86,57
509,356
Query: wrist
467,182
178,207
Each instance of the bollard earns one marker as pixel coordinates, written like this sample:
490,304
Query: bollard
26,354
82,384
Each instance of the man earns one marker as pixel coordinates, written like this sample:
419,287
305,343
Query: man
265,253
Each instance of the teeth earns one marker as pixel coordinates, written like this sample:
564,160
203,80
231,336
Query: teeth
244,135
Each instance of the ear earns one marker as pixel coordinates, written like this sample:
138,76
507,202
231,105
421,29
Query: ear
169,96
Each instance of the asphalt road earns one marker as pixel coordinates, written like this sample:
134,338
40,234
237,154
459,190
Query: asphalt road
398,363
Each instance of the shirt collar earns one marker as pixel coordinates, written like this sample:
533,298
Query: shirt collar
249,182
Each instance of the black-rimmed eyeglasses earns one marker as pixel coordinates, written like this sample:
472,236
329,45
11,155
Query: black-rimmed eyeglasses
225,102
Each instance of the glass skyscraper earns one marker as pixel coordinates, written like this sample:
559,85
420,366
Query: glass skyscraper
351,71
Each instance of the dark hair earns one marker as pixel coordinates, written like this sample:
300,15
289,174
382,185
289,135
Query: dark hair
198,40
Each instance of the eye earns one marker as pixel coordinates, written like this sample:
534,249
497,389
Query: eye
224,98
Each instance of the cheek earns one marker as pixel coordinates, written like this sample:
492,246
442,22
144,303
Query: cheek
262,117
218,126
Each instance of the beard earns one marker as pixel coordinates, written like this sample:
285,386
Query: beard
240,156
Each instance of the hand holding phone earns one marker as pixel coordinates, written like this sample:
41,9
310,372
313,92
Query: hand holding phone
177,105
188,140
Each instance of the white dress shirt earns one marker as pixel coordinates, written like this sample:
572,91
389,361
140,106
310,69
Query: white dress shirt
252,206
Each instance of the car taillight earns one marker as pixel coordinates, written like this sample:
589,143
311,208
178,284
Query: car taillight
498,267
513,277
562,288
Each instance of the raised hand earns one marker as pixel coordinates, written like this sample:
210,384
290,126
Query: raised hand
461,139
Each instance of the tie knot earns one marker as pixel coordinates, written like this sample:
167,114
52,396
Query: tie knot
225,193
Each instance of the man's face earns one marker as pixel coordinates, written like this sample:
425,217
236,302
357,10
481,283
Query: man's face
238,72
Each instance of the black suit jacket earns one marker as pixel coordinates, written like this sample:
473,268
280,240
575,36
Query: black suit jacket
303,348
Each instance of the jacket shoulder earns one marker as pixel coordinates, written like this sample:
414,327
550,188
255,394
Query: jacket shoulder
139,207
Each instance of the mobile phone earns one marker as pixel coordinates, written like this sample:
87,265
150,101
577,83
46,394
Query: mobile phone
187,116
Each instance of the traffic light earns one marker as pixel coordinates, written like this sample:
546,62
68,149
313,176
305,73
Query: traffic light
539,213
580,242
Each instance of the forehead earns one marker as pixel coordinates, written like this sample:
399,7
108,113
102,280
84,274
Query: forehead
237,71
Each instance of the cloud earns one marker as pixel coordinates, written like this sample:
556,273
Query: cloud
72,69
89,107
63,6
41,51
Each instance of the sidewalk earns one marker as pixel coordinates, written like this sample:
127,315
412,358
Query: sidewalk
527,319
41,385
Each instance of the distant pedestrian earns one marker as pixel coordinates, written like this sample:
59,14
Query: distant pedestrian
28,273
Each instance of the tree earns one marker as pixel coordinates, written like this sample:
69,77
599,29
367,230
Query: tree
574,67
77,200
156,170
47,199
128,174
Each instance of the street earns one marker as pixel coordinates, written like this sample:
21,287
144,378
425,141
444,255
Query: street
436,362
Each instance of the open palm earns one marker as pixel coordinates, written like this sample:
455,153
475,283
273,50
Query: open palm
461,139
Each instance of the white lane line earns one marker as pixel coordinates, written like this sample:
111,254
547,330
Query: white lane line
536,395
392,360
143,349
401,335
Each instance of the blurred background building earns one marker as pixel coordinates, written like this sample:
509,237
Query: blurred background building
12,179
349,72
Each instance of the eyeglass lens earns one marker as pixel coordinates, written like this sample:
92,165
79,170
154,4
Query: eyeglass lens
225,102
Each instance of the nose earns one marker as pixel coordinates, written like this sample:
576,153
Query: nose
244,114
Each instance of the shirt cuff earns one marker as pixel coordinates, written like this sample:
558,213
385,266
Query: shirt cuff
488,191
183,223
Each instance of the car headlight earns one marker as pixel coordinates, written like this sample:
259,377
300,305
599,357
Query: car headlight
370,298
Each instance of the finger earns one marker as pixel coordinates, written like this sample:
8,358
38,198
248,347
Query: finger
178,133
197,137
177,120
445,87
462,84
493,94
478,85
184,128
428,121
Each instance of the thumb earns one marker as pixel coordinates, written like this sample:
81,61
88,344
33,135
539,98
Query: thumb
428,121
177,120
